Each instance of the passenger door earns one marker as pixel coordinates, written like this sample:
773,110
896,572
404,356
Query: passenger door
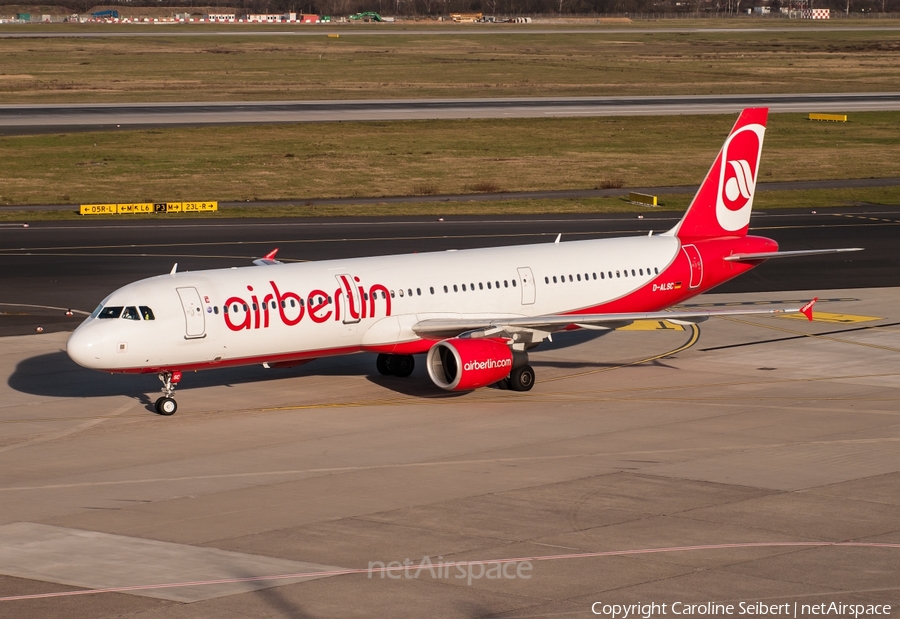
526,280
194,320
350,300
696,263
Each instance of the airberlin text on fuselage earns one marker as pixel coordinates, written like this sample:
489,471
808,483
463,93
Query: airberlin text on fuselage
317,305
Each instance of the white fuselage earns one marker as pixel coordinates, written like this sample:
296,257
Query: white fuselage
283,312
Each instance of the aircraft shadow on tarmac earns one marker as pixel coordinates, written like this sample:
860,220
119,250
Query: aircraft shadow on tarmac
55,375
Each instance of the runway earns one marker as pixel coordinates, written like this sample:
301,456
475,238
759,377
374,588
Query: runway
26,119
76,264
743,461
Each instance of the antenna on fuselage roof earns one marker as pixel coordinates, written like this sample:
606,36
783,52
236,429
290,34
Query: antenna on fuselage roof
559,236
174,268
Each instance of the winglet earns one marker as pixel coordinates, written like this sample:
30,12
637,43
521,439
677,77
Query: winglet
268,259
807,310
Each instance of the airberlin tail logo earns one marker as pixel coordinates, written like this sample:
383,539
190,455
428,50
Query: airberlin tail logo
741,184
737,176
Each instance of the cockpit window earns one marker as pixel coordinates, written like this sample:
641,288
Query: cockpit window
147,313
96,311
110,312
131,313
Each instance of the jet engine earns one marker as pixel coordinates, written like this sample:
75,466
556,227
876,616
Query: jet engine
463,364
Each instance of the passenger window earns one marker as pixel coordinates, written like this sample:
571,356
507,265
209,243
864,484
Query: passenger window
418,292
633,274
274,306
455,289
472,287
514,283
595,276
618,274
130,313
626,272
445,289
497,284
562,279
431,289
602,276
245,307
506,283
480,286
464,287
570,277
579,277
409,290
110,312
656,270
147,313
586,277
554,279
215,311
254,307
392,294
641,271
610,274
489,285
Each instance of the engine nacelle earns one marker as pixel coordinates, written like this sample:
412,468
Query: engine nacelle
462,365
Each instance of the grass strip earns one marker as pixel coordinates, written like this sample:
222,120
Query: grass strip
362,159
408,65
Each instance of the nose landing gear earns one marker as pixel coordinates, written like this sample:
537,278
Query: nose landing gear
166,405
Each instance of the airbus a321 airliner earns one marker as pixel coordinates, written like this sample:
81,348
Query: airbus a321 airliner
475,314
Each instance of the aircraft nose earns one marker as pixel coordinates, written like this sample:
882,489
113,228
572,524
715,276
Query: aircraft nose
84,349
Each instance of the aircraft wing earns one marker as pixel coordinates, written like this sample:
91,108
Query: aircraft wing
554,322
768,255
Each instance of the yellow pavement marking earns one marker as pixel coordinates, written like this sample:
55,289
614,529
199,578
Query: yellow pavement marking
651,325
695,335
830,317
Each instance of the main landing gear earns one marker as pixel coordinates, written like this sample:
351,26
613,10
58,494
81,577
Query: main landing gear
166,405
395,365
521,378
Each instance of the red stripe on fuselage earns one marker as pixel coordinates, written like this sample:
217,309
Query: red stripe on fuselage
664,290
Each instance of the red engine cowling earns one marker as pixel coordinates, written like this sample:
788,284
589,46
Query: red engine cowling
461,365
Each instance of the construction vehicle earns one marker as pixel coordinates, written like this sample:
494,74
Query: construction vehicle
367,16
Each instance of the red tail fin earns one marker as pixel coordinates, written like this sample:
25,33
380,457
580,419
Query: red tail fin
723,203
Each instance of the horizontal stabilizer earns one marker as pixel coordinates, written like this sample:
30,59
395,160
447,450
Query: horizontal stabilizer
768,255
